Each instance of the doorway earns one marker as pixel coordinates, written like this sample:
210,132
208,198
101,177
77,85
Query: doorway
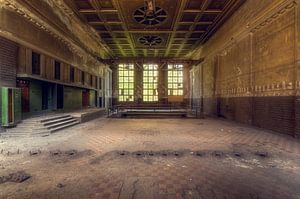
85,98
24,85
60,97
44,97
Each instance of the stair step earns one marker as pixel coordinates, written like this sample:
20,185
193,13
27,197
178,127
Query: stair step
60,124
19,131
57,120
53,118
40,127
25,133
28,125
64,126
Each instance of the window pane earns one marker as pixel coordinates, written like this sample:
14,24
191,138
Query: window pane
150,82
175,79
126,82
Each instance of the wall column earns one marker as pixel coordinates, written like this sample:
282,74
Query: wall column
297,70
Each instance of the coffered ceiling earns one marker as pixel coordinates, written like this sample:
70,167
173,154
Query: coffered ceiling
178,26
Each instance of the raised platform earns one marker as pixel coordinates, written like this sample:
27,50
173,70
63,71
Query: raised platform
151,112
89,114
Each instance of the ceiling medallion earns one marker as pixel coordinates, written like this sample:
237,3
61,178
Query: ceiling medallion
150,40
150,14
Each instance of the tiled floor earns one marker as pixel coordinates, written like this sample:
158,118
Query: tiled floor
154,158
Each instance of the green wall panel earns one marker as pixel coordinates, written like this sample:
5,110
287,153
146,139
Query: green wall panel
72,98
17,105
4,106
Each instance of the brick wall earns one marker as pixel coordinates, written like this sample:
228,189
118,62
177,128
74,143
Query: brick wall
252,74
8,63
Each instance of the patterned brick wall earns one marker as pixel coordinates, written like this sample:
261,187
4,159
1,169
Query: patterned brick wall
8,63
297,117
253,77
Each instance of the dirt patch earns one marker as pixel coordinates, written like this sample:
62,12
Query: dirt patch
62,156
262,154
218,154
109,156
17,177
142,155
149,132
34,152
199,153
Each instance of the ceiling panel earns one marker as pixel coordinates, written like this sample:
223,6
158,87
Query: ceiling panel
178,26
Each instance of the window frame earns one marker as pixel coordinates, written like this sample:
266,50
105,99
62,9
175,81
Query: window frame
126,82
57,70
175,80
35,63
72,74
91,80
82,77
150,83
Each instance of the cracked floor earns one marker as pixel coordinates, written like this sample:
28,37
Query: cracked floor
153,158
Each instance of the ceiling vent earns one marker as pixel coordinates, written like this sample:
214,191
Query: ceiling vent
143,16
151,40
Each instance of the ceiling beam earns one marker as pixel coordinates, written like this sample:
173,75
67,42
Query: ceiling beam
229,7
95,11
175,25
117,5
158,60
106,22
96,5
197,23
192,27
203,11
152,31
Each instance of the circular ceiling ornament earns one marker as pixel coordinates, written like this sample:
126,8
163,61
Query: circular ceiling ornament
150,40
142,16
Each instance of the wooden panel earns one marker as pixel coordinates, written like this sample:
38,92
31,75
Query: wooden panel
43,66
22,60
28,61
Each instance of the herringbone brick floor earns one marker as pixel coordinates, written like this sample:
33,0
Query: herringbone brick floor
154,158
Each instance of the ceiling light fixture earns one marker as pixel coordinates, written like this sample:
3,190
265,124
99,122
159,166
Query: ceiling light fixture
149,8
150,14
150,40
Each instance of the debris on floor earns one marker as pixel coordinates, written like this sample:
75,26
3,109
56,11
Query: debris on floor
17,177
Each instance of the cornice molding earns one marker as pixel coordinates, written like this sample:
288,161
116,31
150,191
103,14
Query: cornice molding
251,27
66,11
275,14
16,7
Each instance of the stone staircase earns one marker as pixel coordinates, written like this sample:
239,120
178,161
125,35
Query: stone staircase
41,126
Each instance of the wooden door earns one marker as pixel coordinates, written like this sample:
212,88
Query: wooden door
85,98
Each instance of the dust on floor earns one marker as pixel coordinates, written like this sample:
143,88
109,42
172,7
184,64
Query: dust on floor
152,158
